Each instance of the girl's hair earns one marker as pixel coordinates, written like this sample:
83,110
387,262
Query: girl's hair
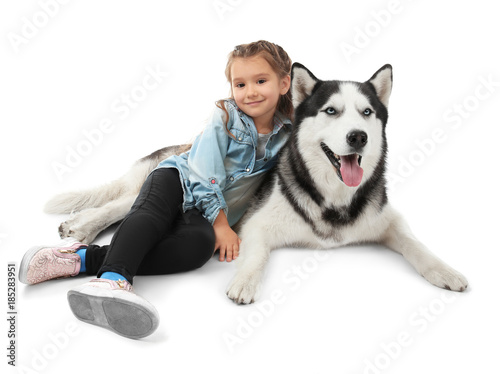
276,57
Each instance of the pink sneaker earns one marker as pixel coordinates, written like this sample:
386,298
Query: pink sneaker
43,263
114,306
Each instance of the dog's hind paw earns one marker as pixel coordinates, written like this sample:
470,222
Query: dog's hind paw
78,229
243,289
446,277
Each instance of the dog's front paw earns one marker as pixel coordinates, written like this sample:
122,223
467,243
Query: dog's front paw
243,289
446,277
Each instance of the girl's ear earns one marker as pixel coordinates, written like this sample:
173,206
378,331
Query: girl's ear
303,82
285,85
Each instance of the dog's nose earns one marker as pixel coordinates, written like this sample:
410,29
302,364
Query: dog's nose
357,139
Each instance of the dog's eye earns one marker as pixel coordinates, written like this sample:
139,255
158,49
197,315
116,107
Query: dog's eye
367,112
330,110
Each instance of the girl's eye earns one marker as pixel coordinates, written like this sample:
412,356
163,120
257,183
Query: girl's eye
261,81
367,112
330,110
240,85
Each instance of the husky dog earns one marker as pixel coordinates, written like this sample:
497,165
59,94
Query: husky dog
327,190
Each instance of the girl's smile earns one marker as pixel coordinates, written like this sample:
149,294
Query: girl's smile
254,102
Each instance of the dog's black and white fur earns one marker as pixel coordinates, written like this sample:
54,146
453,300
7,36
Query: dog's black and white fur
327,190
307,202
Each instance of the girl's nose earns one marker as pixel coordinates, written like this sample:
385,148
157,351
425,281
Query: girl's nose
251,91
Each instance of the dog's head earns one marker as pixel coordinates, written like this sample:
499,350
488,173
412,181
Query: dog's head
342,123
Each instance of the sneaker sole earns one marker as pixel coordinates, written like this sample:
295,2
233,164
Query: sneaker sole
123,317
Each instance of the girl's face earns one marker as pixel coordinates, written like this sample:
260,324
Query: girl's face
257,88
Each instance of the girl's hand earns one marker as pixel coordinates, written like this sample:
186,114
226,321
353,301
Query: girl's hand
226,240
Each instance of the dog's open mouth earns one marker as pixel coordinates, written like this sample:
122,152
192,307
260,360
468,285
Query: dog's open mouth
348,167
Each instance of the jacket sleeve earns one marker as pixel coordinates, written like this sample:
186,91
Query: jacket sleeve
207,173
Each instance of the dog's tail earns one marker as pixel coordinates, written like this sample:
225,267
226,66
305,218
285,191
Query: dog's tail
75,201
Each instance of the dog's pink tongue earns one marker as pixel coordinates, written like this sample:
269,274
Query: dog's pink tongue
351,172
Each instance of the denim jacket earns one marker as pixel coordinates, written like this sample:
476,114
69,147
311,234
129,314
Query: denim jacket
221,172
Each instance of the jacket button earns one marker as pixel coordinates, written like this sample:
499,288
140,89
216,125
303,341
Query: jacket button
239,139
248,169
232,179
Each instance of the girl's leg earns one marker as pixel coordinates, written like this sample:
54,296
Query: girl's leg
113,304
150,219
94,258
189,246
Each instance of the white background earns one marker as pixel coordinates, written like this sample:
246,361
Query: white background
346,310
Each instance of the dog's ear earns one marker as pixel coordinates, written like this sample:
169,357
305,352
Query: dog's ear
382,82
303,82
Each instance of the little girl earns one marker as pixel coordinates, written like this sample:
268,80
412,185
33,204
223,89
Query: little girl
187,205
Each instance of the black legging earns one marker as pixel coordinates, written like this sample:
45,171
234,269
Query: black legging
156,236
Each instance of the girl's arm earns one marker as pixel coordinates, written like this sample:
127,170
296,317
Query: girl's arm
226,240
207,180
207,172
